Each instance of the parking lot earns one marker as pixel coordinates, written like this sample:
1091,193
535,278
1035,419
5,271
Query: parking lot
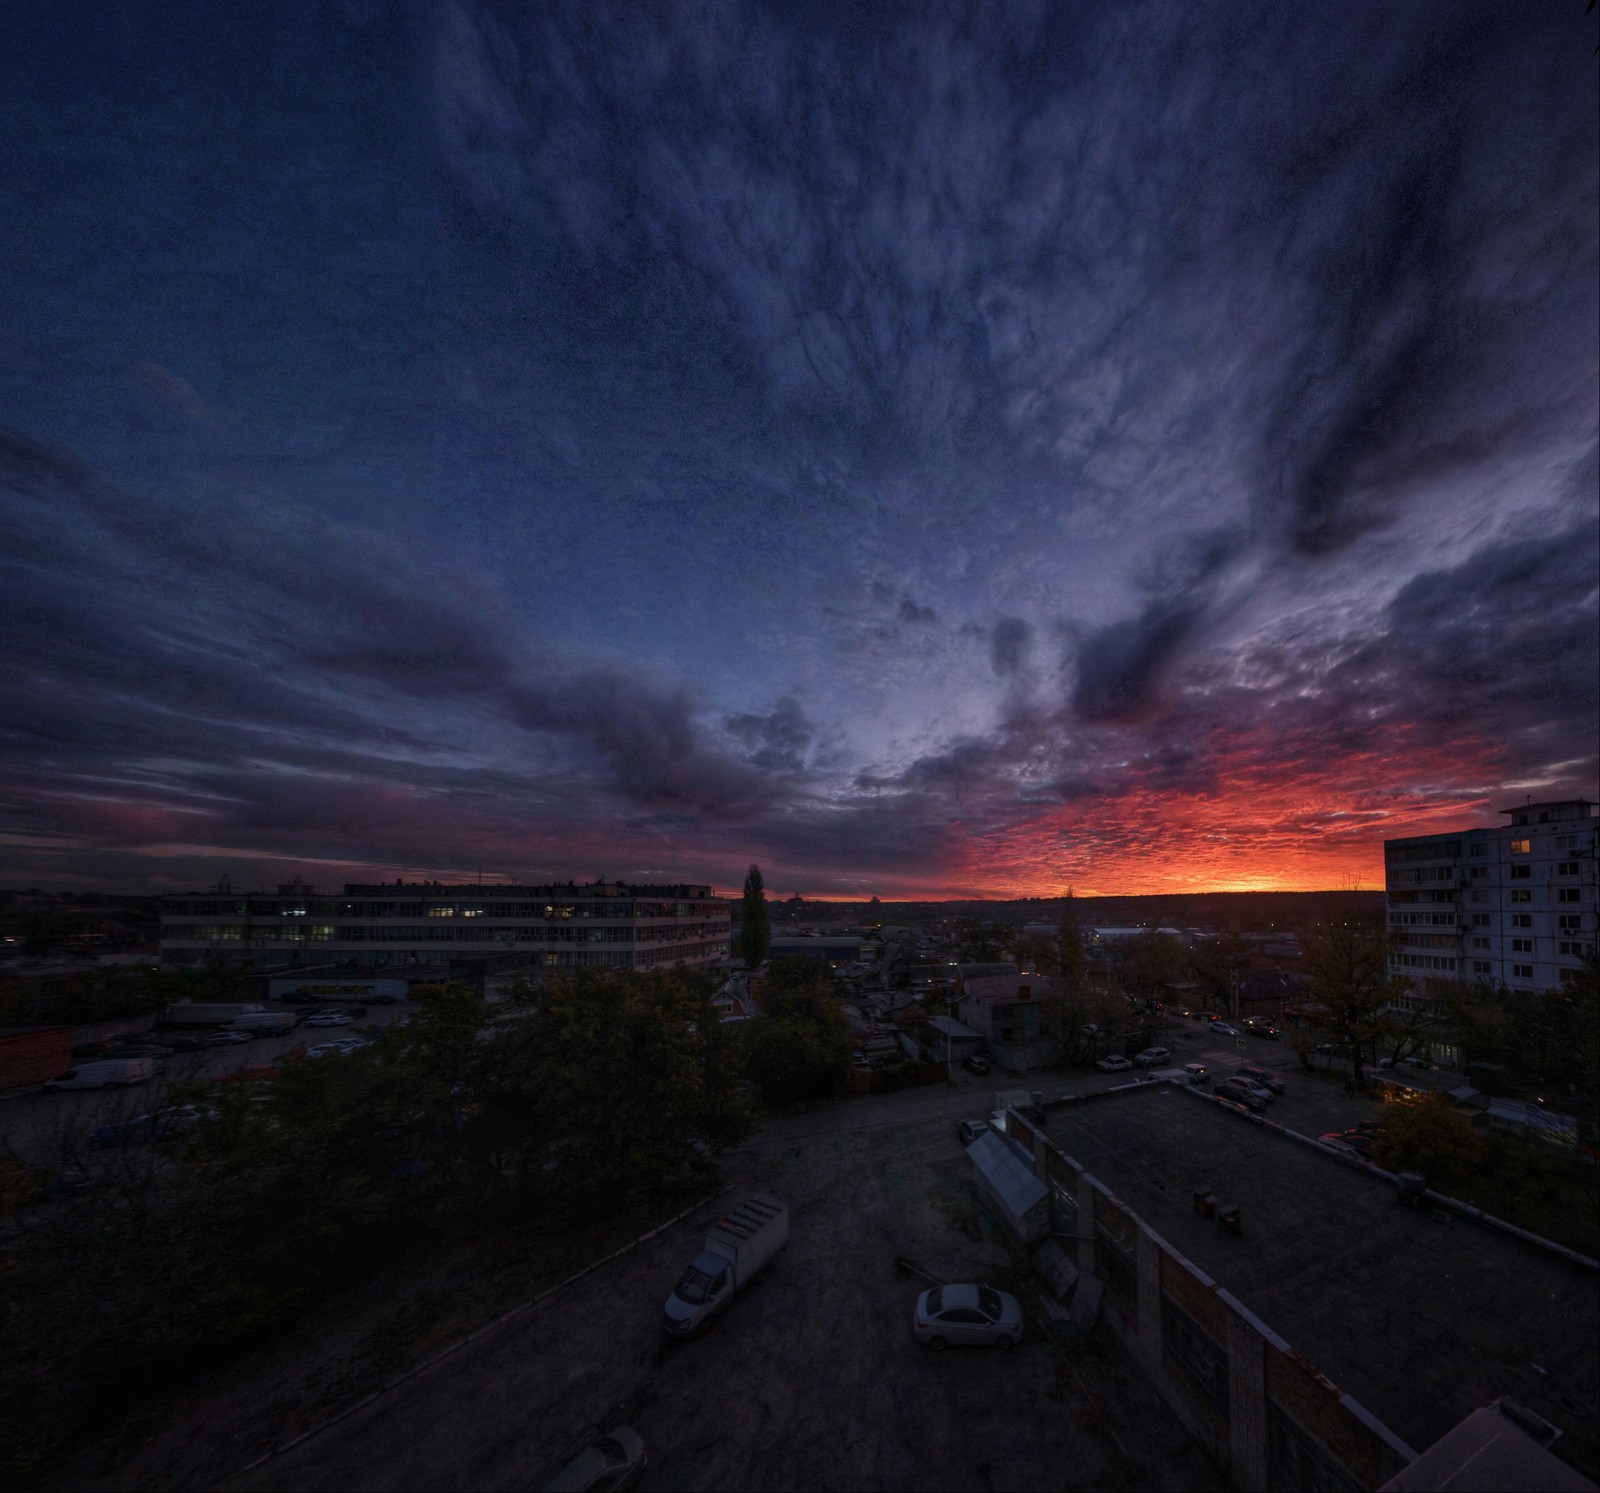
48,1130
811,1380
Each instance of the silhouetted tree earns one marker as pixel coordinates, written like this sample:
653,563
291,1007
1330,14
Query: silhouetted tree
755,929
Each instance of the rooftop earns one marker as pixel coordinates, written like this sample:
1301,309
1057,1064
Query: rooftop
1423,1317
1000,990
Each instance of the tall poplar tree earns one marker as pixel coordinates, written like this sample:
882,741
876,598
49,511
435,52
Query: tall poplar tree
755,931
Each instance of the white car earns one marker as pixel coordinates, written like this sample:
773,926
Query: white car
616,1460
1152,1057
1113,1065
326,1049
226,1039
330,1019
1260,1090
952,1316
1225,1029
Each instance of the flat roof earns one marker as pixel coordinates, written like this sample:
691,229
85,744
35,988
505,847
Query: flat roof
1422,1316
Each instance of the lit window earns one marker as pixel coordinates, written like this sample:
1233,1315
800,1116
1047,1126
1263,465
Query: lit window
1521,847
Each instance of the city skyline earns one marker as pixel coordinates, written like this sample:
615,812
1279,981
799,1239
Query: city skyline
929,455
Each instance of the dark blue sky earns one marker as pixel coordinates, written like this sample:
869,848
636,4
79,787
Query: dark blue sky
928,449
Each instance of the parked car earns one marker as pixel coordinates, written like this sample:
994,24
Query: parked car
1236,1092
335,1048
139,1050
1197,1073
1113,1065
1416,1062
1341,1145
1260,1090
1152,1057
970,1130
976,1063
1359,1140
226,1039
329,1018
616,1460
950,1316
1224,1028
1263,1076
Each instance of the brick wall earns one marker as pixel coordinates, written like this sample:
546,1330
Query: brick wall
31,1056
1313,1401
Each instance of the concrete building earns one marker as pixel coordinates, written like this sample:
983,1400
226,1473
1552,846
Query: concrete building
1512,904
610,925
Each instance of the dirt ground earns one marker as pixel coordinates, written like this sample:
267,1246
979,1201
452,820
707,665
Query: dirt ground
811,1380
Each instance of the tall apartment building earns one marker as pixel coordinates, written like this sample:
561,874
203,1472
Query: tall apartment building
609,925
1513,904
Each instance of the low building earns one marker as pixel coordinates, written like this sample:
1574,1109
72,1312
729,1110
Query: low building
949,1040
1011,1013
1325,1332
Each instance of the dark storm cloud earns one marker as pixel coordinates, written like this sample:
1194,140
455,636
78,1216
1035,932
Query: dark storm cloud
1009,645
165,652
777,741
1400,199
1506,644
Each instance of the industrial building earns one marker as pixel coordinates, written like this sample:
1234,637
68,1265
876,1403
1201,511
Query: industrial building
610,925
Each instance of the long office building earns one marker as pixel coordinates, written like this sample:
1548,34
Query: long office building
611,925
1513,904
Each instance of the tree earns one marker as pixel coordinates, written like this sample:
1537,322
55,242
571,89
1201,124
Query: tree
1348,984
980,941
1149,963
800,1044
1428,1135
1217,964
755,929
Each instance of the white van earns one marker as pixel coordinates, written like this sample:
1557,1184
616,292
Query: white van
109,1073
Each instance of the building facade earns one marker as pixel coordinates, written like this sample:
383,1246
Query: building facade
610,925
1514,904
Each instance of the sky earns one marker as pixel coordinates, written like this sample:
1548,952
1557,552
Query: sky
928,451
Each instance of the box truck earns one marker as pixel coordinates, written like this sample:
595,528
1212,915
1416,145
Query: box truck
739,1246
109,1073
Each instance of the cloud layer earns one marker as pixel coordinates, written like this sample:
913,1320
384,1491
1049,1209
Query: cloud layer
918,451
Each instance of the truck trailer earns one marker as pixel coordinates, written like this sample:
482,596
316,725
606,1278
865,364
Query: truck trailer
207,1013
739,1246
264,1023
